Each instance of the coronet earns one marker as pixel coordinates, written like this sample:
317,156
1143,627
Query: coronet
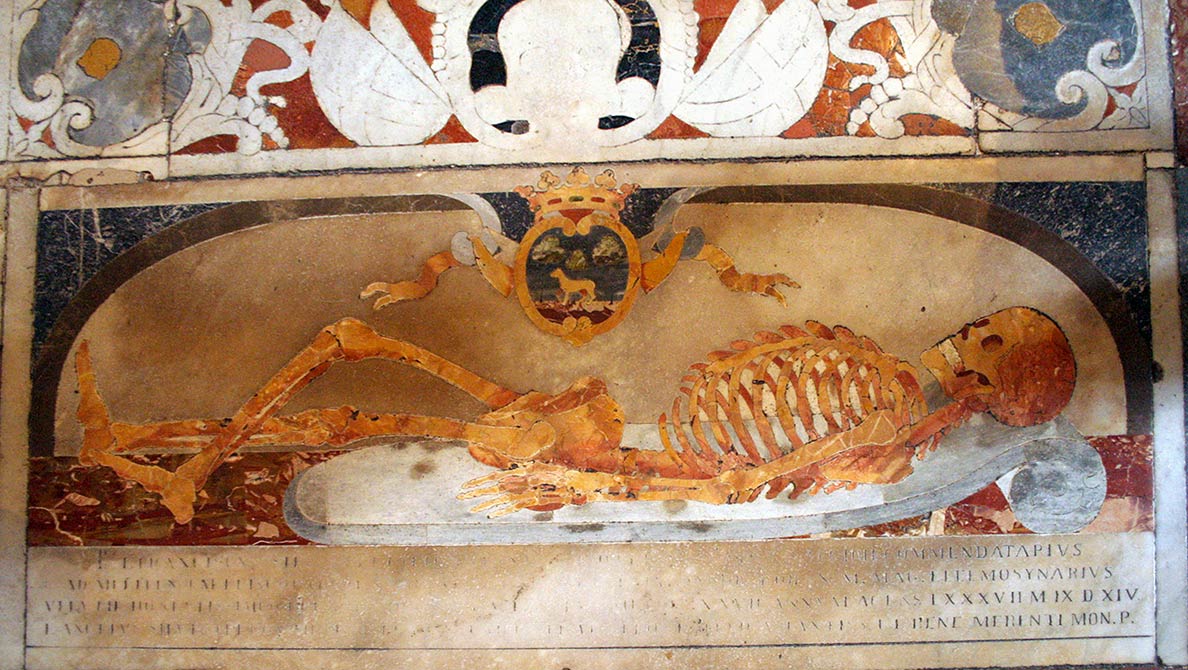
577,191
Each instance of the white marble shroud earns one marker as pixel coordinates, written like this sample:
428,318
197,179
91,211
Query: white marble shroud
405,494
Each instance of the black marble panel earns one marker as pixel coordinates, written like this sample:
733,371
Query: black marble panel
638,211
72,245
641,57
1105,221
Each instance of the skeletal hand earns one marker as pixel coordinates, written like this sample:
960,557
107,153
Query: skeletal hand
528,486
766,284
391,294
731,487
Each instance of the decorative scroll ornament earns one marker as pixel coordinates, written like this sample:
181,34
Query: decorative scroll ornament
1056,65
100,83
762,73
600,73
929,85
71,106
212,108
374,85
563,89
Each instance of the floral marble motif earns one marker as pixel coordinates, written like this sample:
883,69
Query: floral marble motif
263,76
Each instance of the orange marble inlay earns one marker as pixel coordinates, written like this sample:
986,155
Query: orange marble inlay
100,58
1037,23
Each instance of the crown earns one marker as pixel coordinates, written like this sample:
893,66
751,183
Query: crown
577,191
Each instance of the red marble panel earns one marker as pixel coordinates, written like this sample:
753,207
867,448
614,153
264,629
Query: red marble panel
302,119
916,525
72,505
452,133
986,512
674,128
1127,460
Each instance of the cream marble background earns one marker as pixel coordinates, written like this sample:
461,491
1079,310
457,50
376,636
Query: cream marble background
195,335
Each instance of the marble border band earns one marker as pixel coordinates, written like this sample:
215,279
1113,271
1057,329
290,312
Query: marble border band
1171,560
19,253
1123,167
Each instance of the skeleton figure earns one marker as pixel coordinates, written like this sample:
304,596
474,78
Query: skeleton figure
812,409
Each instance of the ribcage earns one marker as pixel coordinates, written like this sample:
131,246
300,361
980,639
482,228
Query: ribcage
768,397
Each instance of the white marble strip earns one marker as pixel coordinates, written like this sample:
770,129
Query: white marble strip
20,253
8,71
440,155
1091,140
1126,167
822,657
1171,559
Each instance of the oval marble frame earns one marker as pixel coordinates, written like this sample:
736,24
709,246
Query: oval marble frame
1133,348
577,334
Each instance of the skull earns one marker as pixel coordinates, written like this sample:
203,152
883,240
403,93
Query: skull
1016,364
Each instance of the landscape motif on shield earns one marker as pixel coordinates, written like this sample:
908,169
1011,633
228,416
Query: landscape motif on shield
579,274
566,444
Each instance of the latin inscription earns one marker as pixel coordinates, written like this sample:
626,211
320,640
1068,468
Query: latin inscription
759,594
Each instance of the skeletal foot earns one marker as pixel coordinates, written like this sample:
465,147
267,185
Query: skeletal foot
92,411
179,497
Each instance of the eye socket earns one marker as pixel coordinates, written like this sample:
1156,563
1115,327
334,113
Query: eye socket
991,343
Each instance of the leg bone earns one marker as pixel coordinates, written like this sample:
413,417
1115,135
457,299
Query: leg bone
348,340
